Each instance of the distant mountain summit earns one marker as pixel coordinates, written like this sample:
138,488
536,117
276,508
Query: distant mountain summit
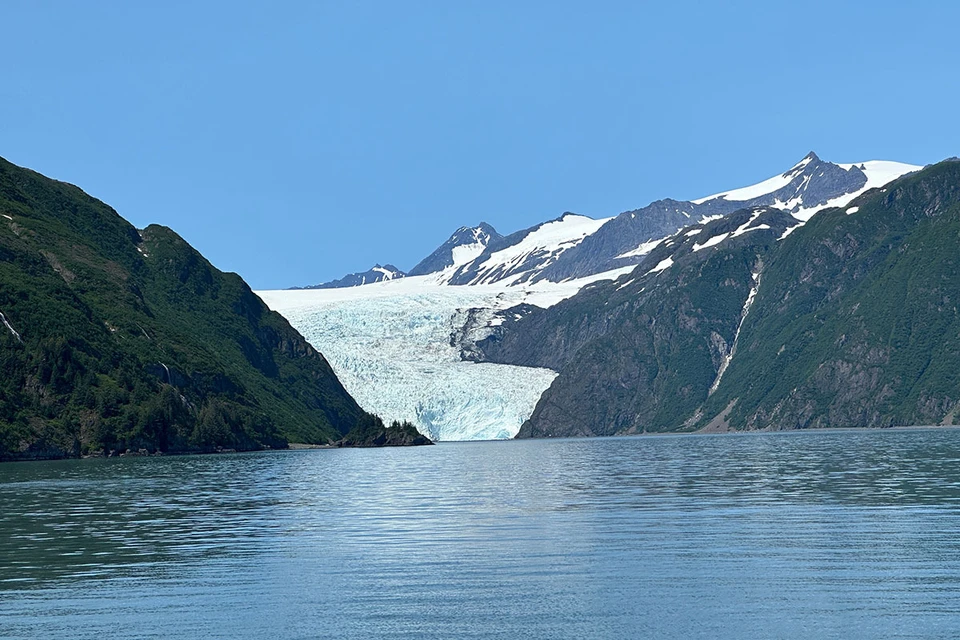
574,246
464,245
523,255
809,186
461,248
376,273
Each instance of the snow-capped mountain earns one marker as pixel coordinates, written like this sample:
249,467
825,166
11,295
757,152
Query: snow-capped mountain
520,256
575,246
464,245
377,273
398,344
809,186
733,325
813,185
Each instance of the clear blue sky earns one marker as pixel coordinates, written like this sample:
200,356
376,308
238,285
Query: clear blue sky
295,142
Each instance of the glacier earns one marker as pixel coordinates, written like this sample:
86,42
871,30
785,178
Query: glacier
395,346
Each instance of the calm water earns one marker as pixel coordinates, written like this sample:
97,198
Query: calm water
803,535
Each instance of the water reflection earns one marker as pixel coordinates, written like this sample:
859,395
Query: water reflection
822,534
91,518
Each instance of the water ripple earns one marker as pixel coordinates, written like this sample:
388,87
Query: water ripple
823,534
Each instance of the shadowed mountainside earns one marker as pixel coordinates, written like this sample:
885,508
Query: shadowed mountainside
114,338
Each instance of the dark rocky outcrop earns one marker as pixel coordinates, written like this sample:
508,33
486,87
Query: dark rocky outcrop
641,353
849,321
441,258
812,182
377,273
371,432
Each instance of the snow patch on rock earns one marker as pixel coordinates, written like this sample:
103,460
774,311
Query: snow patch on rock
666,263
642,250
715,240
7,324
728,358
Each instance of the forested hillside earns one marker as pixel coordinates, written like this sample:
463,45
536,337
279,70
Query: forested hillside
114,338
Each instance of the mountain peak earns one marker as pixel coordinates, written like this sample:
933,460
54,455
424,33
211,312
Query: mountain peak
805,165
377,273
464,245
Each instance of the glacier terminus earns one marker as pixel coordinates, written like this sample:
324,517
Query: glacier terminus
398,340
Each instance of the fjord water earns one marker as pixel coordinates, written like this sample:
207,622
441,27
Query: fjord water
799,535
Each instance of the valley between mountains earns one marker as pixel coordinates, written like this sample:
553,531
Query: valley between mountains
826,296
822,297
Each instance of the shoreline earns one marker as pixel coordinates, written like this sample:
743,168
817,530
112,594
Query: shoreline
301,446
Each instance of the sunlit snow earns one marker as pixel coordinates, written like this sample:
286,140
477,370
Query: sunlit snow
711,242
666,263
464,253
728,357
760,189
9,326
745,227
395,344
543,244
642,250
390,343
878,172
387,273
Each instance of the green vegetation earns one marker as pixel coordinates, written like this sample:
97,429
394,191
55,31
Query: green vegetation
133,340
641,354
371,432
856,323
857,319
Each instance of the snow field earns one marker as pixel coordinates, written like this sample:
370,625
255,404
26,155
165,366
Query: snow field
390,345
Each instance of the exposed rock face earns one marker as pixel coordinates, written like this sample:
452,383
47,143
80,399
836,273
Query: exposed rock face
373,433
377,273
465,244
809,184
643,351
574,246
848,321
520,256
857,322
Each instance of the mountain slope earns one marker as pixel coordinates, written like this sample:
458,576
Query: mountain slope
113,339
857,322
849,321
575,246
644,350
521,256
809,186
464,245
394,346
441,349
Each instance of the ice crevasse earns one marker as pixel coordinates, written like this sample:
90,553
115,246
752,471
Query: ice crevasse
393,346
